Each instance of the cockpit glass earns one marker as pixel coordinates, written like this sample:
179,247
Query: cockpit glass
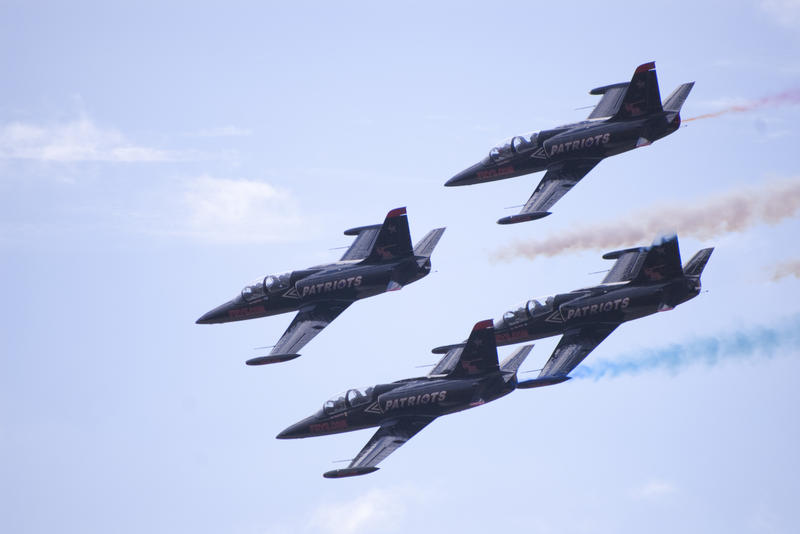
253,291
539,305
502,151
516,316
335,404
356,397
277,282
524,143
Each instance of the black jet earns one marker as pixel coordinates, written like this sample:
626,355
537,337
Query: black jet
643,281
467,376
628,116
380,259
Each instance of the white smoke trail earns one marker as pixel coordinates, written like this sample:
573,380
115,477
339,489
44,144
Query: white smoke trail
741,344
733,211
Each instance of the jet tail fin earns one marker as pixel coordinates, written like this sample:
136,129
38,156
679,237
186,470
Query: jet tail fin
695,266
641,96
424,248
662,261
393,239
477,356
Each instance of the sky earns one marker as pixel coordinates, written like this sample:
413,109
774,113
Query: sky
156,157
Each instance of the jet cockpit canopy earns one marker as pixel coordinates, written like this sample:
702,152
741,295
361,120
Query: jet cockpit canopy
514,145
265,286
529,309
353,397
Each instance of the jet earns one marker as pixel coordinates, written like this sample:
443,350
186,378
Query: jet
467,376
642,281
380,259
629,115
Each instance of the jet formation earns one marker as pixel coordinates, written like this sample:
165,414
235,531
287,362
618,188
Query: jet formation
642,281
380,259
629,115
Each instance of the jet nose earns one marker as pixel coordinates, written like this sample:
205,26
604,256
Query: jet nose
297,430
217,315
466,177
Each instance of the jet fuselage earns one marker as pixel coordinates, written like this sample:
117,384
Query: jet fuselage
611,303
586,140
344,280
424,396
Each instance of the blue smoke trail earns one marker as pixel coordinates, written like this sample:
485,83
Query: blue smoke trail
742,344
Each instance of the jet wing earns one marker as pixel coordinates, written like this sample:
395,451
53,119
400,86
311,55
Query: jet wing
610,102
389,437
574,346
555,183
308,322
365,238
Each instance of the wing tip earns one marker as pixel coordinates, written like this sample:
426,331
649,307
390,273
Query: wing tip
349,472
542,382
273,358
523,217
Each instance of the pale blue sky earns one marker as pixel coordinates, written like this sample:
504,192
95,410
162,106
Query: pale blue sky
155,158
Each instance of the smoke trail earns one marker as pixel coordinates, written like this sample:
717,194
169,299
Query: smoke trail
791,96
733,211
789,268
742,344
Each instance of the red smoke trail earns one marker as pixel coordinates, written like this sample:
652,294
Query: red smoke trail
791,96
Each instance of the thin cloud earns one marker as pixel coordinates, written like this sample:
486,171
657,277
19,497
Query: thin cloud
224,210
378,510
224,131
75,141
654,489
784,12
788,268
733,211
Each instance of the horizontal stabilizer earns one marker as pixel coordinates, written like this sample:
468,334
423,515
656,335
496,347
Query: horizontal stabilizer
695,266
512,363
424,248
274,358
523,217
350,472
675,100
541,382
